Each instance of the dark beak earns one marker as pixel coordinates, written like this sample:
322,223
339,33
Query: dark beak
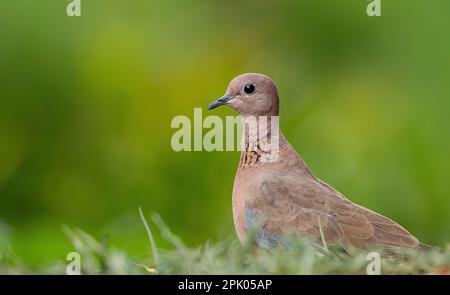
220,101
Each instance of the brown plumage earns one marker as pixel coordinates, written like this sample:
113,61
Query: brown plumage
283,198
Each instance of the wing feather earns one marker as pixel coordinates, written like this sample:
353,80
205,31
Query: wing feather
290,208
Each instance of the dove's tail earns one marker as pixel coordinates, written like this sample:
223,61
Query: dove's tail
426,248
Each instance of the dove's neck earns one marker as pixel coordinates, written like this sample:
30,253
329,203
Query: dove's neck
263,143
260,141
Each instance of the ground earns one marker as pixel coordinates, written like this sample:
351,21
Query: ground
229,257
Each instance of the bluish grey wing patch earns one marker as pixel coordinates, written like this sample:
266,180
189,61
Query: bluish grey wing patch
268,241
250,218
255,226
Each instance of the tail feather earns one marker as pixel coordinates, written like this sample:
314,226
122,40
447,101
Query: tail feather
426,248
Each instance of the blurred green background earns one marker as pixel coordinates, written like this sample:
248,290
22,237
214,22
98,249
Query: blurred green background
86,105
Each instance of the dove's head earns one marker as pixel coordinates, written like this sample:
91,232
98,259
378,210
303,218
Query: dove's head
250,95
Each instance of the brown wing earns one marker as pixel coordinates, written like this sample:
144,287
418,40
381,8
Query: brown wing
290,208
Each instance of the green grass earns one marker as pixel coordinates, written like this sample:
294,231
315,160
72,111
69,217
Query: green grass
226,257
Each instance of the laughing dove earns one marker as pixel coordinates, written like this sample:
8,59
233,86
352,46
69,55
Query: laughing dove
282,198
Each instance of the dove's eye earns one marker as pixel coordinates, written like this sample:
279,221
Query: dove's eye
249,88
